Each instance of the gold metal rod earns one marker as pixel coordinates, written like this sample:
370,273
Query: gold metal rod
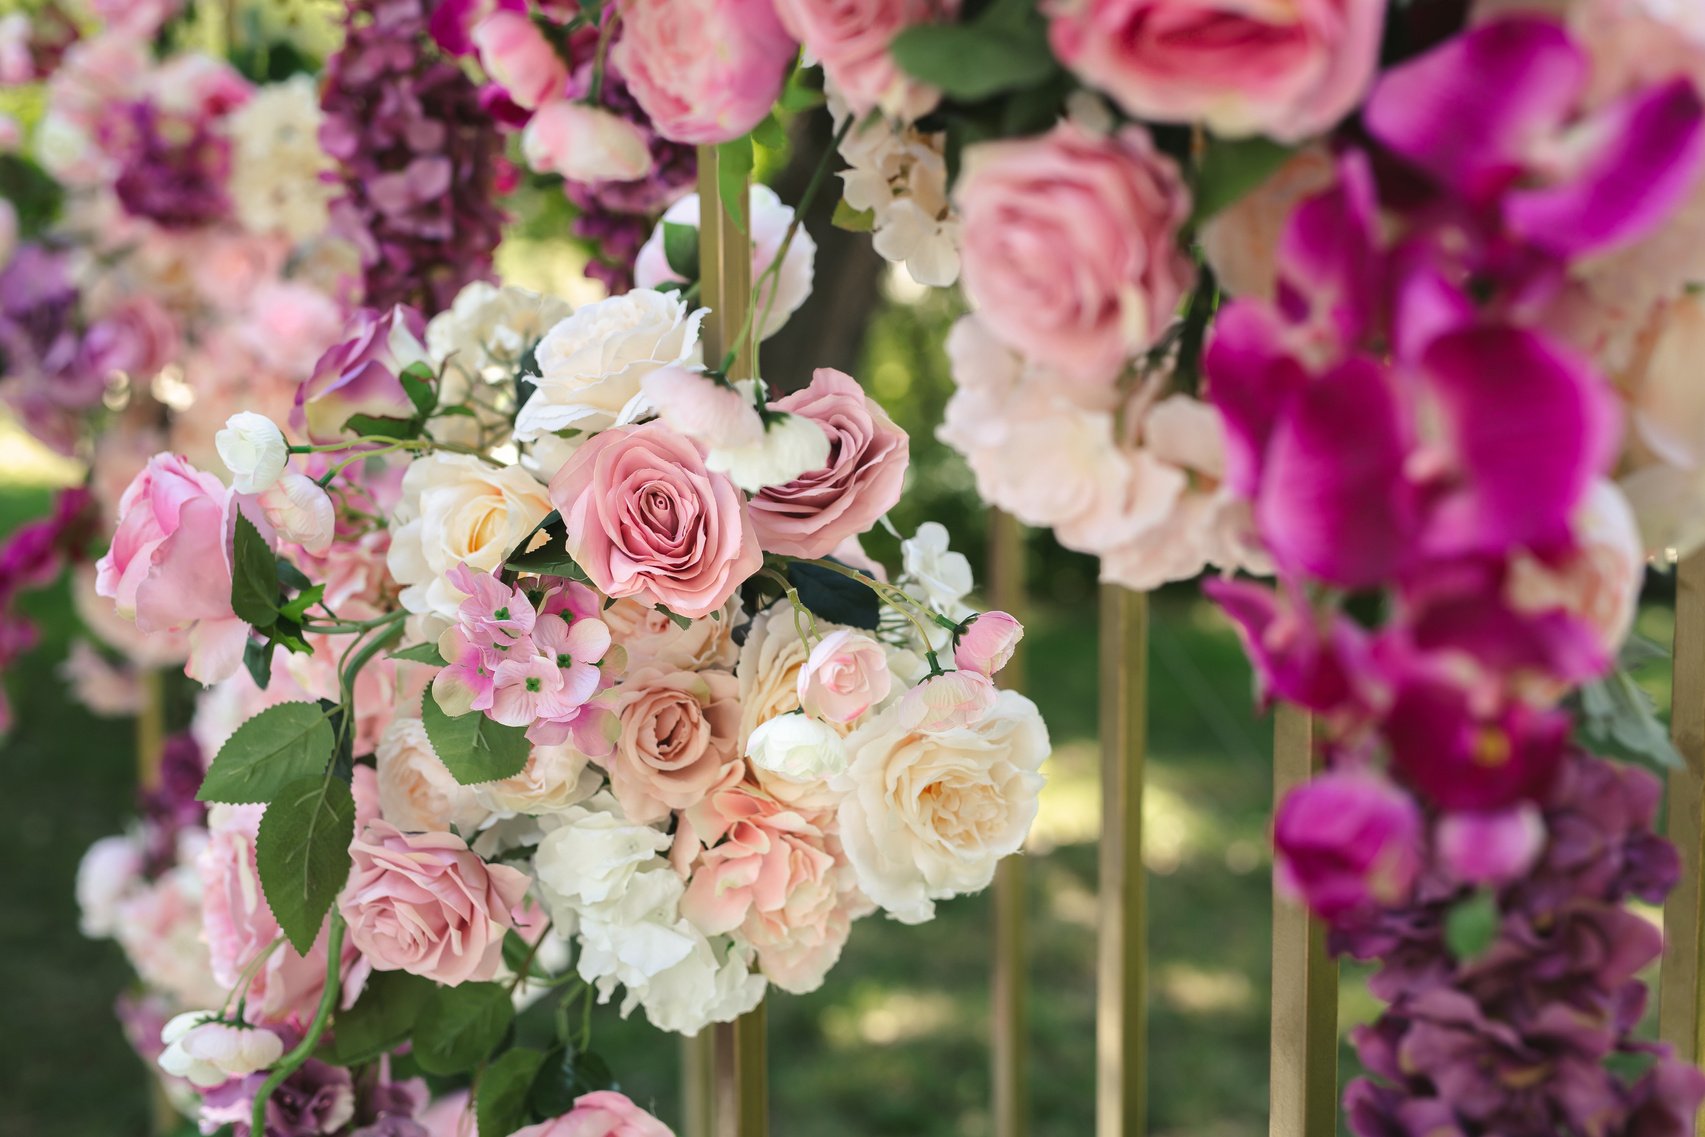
150,727
739,1092
1680,1017
696,1080
1122,961
1303,1052
1010,972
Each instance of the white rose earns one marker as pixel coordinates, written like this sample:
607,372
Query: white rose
636,935
456,509
487,330
253,449
943,575
209,1053
797,747
301,510
591,856
928,816
416,792
702,989
105,876
591,364
790,446
1600,581
554,778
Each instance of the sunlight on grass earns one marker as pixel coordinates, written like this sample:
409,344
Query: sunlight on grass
26,462
1201,990
885,1017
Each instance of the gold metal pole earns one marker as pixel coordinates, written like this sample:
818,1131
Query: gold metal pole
1008,980
150,727
1121,1019
696,1081
1303,1052
739,1097
1680,1019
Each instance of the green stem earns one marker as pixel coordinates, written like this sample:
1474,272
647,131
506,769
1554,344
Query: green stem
896,598
604,35
322,1015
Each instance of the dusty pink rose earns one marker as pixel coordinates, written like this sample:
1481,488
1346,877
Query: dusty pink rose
1071,245
646,519
988,643
585,144
811,515
772,878
704,71
1288,68
602,1113
947,701
1491,848
518,57
1345,840
851,37
426,904
169,564
844,676
679,731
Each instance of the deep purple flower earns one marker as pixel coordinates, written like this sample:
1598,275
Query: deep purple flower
175,168
317,1099
170,806
360,375
44,375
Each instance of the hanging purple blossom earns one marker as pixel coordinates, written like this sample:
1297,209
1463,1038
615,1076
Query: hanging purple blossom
419,160
174,167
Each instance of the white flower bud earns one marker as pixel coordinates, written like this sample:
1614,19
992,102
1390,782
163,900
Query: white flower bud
208,1052
791,446
301,511
797,747
253,449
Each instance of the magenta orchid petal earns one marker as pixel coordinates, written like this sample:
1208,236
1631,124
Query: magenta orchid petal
1329,258
1468,112
1295,660
1458,759
1250,378
1642,158
1334,502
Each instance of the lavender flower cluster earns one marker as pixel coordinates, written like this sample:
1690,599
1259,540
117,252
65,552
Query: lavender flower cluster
1535,1032
419,160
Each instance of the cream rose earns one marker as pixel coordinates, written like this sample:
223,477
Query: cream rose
416,792
927,816
554,778
652,637
454,510
591,364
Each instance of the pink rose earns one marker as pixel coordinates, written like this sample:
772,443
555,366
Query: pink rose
169,564
851,37
646,519
359,376
691,91
426,904
844,676
519,58
585,144
138,337
811,515
602,1113
1288,69
988,643
1347,839
1071,245
769,876
680,731
1491,848
947,701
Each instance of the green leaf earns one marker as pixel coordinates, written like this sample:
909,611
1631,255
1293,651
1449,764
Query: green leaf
517,951
797,96
381,1019
257,659
421,653
769,134
836,598
291,577
675,618
972,62
550,558
419,384
564,1075
1232,168
1617,717
302,854
501,1104
274,748
733,170
297,607
1472,925
853,220
372,425
473,747
681,249
254,576
459,1026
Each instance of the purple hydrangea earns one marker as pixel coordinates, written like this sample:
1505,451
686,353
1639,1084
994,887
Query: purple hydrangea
170,806
175,168
316,1099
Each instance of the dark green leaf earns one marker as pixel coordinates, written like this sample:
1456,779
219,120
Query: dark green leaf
381,1019
420,653
254,576
257,659
769,134
675,618
1472,925
288,632
302,854
554,1087
796,96
473,747
836,598
681,249
517,952
274,748
375,427
297,607
459,1026
419,383
733,171
853,220
1231,168
501,1104
1618,717
292,577
971,62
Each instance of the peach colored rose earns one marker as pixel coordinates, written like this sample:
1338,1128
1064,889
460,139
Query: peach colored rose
416,792
1285,68
426,904
554,778
603,1113
585,144
844,676
1071,245
646,519
679,731
812,514
652,637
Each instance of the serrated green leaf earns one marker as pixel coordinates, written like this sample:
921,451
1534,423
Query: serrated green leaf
302,854
681,249
381,1019
418,384
274,748
1231,169
675,618
500,1106
375,427
853,220
1472,925
420,653
460,1026
734,161
291,577
473,747
972,62
254,576
296,608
